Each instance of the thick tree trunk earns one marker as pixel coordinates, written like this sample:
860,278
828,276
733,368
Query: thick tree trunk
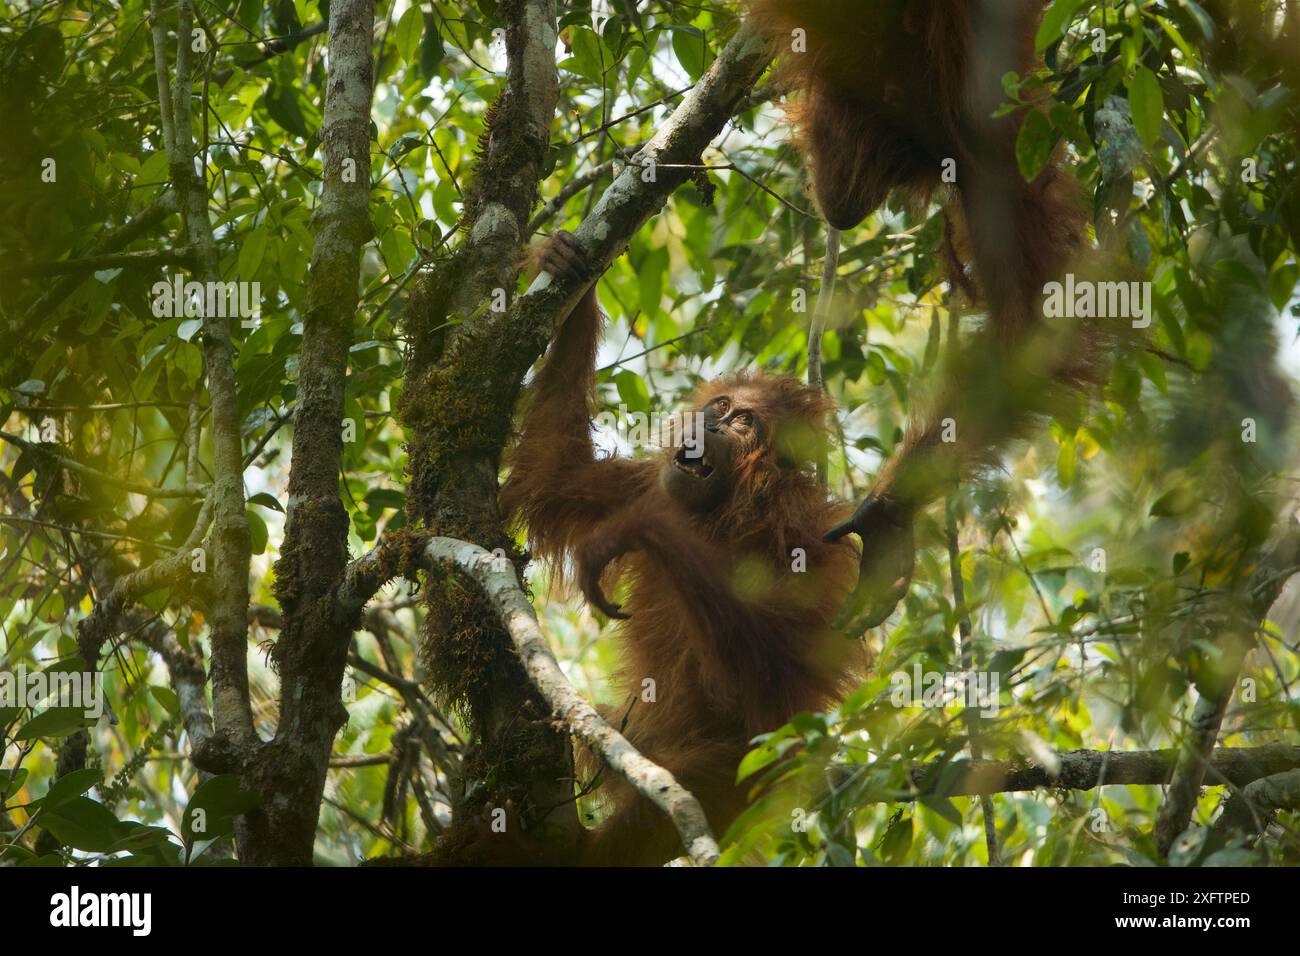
455,451
289,772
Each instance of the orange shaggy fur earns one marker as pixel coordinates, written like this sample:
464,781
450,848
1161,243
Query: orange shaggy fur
892,92
735,641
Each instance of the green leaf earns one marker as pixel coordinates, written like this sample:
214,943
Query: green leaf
1013,592
138,837
1204,22
404,145
211,812
125,163
838,855
586,55
83,824
1005,661
1147,103
636,61
70,785
266,500
257,531
1177,37
282,103
251,251
380,498
55,722
1175,502
1154,370
756,760
167,697
932,342
188,362
397,250
652,270
944,808
1282,283
897,842
20,855
67,665
11,781
1066,462
632,390
432,51
153,169
407,33
1055,22
1034,145
692,50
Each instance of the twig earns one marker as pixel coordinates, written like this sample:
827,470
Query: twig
965,644
106,260
84,532
603,127
189,491
568,191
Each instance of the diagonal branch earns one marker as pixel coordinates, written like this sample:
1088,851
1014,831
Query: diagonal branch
104,621
1216,692
497,578
489,356
1251,807
670,158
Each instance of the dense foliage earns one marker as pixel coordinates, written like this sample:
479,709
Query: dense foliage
1099,567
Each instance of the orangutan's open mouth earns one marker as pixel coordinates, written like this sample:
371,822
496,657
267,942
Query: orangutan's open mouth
696,467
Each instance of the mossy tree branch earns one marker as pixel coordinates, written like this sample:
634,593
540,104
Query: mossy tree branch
461,388
1086,769
453,472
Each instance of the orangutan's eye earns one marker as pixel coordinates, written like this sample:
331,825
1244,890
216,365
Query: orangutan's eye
743,419
723,405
